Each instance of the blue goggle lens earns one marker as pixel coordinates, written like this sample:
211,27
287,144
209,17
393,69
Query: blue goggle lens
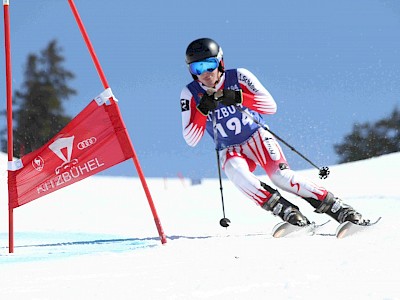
206,65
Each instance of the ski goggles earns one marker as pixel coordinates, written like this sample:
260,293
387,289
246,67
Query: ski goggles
206,65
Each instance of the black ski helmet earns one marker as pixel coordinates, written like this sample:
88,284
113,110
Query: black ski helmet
204,48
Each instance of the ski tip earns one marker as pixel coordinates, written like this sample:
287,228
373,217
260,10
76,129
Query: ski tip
279,229
279,233
348,228
341,234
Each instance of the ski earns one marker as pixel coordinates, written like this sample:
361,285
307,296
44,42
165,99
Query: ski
284,229
348,228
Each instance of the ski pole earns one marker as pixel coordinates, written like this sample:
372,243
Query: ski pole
323,171
224,222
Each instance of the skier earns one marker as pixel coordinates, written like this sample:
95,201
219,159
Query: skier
209,103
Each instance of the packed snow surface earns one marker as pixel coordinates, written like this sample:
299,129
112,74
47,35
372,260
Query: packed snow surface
97,239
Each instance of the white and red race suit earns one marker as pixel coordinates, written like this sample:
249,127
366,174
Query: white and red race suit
243,144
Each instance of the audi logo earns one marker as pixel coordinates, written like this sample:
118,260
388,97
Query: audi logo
86,143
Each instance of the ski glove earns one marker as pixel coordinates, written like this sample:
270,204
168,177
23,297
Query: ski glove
207,103
229,97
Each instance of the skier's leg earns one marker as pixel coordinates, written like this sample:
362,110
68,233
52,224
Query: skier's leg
268,153
283,177
237,170
288,180
322,200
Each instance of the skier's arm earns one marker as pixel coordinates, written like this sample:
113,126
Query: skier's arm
255,95
193,121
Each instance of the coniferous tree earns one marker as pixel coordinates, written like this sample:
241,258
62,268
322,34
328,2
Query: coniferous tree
38,113
370,140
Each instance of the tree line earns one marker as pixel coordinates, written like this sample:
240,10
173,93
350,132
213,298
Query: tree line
38,113
371,139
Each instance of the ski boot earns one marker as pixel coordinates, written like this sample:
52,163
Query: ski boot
335,208
281,207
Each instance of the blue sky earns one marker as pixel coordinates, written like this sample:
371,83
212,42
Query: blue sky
328,64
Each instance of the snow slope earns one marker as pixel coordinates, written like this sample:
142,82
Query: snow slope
97,240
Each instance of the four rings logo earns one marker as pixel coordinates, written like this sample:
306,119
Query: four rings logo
86,143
